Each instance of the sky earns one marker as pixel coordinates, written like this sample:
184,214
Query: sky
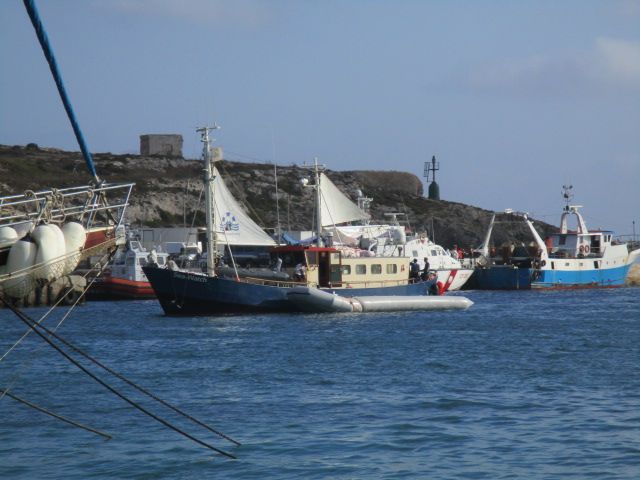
514,99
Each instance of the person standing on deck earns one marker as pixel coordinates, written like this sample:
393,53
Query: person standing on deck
414,269
425,270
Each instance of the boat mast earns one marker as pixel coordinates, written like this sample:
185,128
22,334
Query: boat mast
209,196
318,203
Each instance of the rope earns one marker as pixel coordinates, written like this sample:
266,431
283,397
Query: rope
55,415
132,384
35,326
46,314
25,366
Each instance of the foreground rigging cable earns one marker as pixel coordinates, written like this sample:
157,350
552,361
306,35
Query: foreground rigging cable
54,415
35,327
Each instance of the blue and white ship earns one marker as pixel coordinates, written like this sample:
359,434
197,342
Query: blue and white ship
580,258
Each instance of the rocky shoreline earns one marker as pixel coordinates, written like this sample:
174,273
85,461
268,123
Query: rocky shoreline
167,192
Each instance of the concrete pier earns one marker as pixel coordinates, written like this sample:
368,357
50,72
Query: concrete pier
51,293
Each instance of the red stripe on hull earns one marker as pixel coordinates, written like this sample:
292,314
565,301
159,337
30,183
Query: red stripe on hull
120,288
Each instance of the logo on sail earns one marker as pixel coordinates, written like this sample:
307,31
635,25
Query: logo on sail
229,223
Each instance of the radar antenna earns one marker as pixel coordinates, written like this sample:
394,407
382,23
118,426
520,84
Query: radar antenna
567,194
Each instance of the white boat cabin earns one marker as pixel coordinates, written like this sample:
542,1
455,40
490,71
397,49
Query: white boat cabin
128,263
326,267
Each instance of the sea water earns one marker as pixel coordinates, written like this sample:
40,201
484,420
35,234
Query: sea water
522,385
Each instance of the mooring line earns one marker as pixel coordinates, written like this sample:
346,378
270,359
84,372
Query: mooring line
59,301
31,324
54,415
24,366
133,384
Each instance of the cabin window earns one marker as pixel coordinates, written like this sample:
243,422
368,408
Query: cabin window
392,268
562,239
142,262
376,269
553,265
312,258
346,269
361,269
596,265
161,261
566,264
131,261
434,253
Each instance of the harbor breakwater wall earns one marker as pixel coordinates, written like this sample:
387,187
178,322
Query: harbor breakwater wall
70,287
168,193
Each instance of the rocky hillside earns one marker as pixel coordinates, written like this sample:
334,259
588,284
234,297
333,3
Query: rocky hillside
167,192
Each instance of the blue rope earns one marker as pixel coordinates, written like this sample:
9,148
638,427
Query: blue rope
48,53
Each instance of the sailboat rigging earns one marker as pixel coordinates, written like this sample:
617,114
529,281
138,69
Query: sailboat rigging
320,266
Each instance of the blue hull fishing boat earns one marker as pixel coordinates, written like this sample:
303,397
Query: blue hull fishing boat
502,277
579,258
188,293
582,258
316,266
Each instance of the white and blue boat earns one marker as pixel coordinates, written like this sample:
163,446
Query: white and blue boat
577,258
581,258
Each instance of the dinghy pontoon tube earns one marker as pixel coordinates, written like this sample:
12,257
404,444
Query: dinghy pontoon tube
310,299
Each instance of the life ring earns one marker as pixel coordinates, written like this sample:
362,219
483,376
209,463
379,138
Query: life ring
440,288
586,249
543,263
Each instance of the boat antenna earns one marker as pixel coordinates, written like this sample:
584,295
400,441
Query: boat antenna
53,66
209,195
567,194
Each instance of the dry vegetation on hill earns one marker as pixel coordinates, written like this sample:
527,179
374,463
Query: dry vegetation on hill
167,192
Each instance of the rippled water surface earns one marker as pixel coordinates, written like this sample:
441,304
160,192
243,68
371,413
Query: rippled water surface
522,385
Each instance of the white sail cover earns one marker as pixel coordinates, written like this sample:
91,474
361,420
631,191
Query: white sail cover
233,226
335,206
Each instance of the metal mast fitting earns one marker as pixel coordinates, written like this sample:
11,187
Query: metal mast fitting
430,169
209,195
316,170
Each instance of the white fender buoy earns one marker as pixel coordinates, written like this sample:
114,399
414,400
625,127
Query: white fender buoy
50,241
75,237
21,257
310,299
23,229
8,236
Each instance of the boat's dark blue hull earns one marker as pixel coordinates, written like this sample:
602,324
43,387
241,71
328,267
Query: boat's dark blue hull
183,293
501,277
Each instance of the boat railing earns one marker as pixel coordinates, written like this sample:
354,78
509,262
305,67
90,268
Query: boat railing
341,285
562,254
276,283
375,283
84,203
